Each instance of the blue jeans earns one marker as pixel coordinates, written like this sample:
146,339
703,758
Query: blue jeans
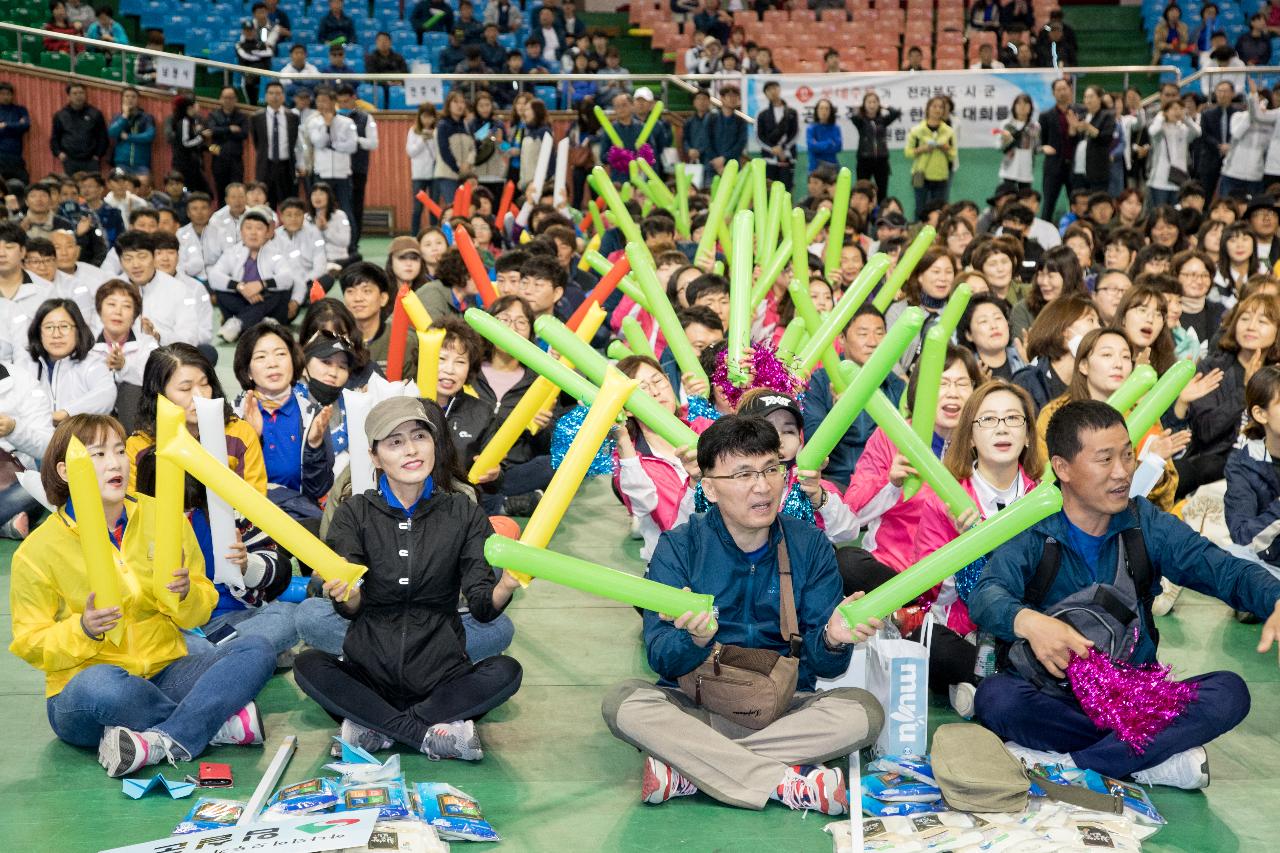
273,622
931,191
416,222
445,188
188,700
1227,185
1157,198
14,500
1015,710
1115,178
320,627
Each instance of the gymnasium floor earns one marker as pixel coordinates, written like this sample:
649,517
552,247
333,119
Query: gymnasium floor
553,779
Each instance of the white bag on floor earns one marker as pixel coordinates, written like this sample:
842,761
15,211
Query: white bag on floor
897,674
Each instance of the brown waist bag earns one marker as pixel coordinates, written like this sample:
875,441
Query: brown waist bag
752,687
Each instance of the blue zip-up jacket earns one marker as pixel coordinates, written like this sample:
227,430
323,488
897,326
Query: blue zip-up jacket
697,134
825,142
702,556
17,121
728,138
135,151
817,404
1253,500
1175,551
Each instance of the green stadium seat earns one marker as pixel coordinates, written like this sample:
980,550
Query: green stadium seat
55,61
91,64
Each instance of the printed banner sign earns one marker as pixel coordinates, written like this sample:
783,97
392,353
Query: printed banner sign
982,99
308,834
175,73
422,91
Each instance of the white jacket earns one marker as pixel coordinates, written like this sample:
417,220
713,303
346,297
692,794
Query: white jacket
198,252
274,268
1170,147
76,387
170,308
197,300
332,146
305,252
422,155
228,224
136,351
81,287
337,235
17,313
1251,131
25,400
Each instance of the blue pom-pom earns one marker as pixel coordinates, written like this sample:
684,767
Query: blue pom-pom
565,432
968,577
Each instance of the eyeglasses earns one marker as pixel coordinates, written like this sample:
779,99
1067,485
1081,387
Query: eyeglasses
771,474
515,322
957,385
57,328
991,421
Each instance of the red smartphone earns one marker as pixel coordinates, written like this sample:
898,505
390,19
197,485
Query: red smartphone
213,775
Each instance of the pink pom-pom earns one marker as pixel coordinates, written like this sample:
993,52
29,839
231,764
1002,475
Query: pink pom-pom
1136,702
645,153
768,372
620,159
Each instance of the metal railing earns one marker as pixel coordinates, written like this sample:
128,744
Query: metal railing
688,83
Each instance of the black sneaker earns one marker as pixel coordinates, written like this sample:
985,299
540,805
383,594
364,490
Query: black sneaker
522,505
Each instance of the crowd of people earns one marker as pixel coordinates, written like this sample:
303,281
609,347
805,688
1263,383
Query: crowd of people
114,290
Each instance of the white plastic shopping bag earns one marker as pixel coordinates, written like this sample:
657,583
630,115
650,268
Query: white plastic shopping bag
898,676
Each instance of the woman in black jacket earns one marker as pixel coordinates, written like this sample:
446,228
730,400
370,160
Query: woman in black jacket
404,674
873,123
500,383
471,421
1248,343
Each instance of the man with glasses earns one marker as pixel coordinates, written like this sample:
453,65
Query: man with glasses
734,552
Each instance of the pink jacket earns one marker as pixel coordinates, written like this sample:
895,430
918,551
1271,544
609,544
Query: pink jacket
891,532
935,529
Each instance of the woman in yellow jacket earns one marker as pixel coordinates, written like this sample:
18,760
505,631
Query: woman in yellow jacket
932,149
140,699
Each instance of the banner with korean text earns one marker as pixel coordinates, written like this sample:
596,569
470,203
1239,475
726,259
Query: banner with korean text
982,99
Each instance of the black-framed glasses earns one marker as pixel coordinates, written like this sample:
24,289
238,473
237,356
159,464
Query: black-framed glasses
772,474
991,421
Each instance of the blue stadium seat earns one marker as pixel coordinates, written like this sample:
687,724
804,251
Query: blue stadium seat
395,99
1181,61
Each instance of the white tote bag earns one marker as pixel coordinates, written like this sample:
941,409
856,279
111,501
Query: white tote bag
898,676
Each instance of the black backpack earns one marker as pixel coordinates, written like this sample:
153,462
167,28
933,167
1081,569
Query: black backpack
1106,613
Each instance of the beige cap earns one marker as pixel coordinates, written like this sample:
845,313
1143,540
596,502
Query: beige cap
386,416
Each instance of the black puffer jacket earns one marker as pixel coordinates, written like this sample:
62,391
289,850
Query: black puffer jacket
471,424
527,445
407,635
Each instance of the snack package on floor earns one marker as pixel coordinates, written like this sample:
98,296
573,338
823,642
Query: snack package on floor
1000,837
319,794
366,772
911,766
401,836
391,799
892,787
453,813
947,830
1086,836
210,814
875,808
1136,802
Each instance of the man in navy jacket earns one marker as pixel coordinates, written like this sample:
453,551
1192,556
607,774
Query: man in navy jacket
1094,461
732,552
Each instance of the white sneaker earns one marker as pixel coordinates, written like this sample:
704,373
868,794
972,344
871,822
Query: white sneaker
961,696
1188,770
230,330
453,740
813,788
365,738
122,751
243,728
1032,757
1163,603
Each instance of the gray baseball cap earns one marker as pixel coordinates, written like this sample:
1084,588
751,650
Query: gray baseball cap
384,417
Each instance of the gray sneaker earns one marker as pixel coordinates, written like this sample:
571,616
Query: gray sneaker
365,738
453,740
230,330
